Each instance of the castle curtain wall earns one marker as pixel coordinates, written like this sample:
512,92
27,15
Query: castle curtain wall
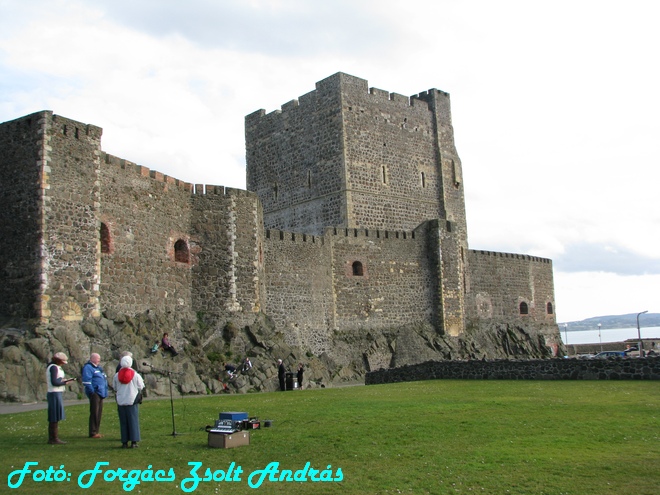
299,288
500,282
397,281
348,280
145,217
22,148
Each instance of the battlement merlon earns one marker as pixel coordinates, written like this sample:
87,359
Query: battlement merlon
438,100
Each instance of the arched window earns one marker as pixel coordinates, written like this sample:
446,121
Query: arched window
549,308
358,270
106,239
524,309
181,251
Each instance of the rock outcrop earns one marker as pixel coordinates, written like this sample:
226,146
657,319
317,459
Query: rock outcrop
204,347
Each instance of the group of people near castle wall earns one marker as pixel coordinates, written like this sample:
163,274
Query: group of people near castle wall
281,375
128,386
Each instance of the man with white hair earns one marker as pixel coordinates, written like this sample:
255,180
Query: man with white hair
96,389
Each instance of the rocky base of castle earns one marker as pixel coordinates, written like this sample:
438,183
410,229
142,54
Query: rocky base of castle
205,343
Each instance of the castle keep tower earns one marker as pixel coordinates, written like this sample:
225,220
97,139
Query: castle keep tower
345,155
348,156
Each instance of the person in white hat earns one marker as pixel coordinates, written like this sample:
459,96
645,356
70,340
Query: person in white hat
56,386
127,383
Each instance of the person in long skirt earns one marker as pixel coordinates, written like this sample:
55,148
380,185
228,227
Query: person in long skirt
56,387
127,384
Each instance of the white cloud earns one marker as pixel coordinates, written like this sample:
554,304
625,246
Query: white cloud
554,104
582,295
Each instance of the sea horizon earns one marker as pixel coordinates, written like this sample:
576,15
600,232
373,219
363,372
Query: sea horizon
608,335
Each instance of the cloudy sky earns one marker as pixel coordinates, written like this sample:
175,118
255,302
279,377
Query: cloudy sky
555,105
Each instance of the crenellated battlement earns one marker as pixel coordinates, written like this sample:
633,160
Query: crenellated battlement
283,235
370,233
143,171
525,257
196,189
344,83
73,129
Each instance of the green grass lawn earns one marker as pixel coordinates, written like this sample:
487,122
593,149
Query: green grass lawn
444,436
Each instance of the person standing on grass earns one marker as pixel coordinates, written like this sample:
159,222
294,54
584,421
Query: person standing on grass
96,389
56,387
301,370
127,383
281,374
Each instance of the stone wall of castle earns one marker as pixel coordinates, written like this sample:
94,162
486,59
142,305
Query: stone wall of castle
299,292
227,240
98,232
143,218
499,283
390,149
353,280
349,156
23,146
71,208
50,182
392,287
181,249
295,163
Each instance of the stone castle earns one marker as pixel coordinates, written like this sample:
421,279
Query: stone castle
350,241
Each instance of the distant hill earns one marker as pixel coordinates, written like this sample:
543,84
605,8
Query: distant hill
614,321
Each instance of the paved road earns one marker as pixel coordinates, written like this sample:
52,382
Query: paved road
16,407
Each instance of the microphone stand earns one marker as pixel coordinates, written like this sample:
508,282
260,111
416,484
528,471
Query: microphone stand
169,376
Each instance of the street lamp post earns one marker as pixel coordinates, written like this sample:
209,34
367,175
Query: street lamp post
566,337
639,335
600,339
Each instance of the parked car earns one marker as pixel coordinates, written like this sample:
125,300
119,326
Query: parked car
610,354
586,356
